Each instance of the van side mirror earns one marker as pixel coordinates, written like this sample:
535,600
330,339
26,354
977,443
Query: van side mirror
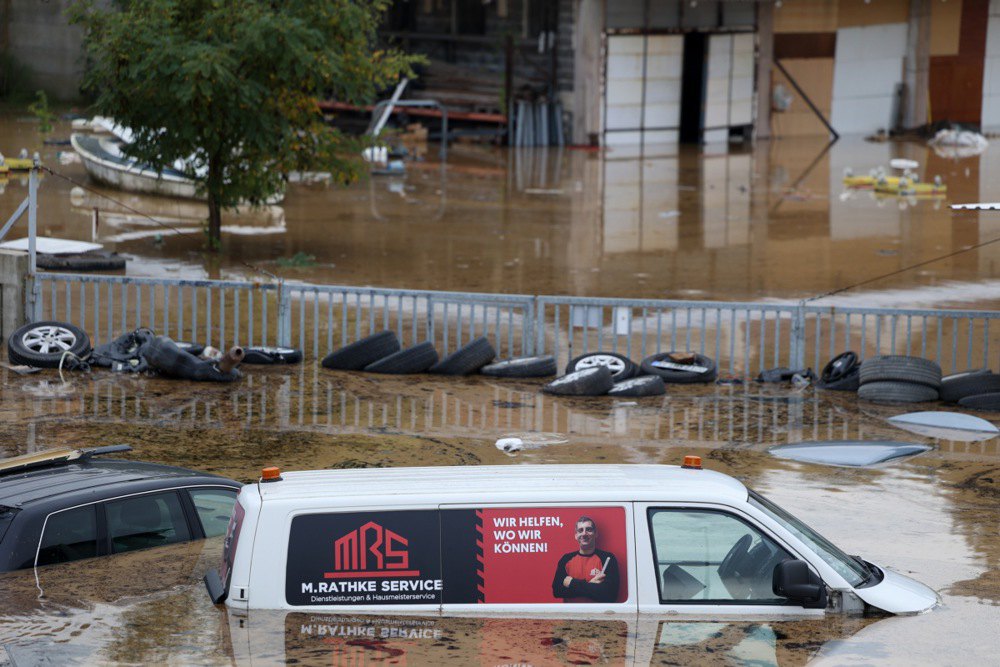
794,580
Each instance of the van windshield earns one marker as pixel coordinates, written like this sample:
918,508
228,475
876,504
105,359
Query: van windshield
850,569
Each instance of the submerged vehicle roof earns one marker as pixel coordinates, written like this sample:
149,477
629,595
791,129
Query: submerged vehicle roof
510,483
21,488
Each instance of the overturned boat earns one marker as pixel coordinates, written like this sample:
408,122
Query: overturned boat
104,160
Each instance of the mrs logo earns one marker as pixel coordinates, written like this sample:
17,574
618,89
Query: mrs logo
371,551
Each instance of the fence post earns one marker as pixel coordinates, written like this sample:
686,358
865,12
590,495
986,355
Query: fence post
284,315
430,319
528,330
539,325
799,336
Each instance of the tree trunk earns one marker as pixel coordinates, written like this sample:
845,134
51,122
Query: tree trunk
213,187
214,223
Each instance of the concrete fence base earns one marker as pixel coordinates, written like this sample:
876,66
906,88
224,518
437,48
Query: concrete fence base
14,291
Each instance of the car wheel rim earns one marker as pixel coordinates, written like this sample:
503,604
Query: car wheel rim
614,364
49,339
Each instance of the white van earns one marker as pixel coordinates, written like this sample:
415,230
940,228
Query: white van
556,539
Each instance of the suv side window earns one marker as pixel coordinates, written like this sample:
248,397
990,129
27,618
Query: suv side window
69,535
149,520
709,556
214,507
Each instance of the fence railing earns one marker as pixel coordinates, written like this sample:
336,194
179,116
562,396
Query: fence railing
742,337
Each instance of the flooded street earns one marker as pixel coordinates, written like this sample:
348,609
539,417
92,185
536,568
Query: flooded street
771,223
933,517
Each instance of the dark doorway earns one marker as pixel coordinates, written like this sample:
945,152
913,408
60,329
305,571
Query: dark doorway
693,87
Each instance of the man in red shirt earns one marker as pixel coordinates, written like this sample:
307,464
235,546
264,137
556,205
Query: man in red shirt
588,574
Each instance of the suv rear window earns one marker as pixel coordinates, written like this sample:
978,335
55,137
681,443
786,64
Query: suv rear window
69,535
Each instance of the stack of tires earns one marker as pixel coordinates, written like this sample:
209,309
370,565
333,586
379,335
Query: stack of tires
975,389
382,353
601,373
899,379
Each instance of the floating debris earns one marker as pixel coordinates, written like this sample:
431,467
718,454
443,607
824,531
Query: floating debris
848,453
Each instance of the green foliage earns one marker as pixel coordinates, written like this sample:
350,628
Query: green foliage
40,110
299,260
234,83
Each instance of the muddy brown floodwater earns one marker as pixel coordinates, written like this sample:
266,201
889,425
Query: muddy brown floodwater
772,222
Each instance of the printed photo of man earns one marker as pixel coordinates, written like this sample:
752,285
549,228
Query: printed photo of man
587,574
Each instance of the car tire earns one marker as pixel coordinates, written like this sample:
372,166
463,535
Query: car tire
890,391
674,376
81,262
594,381
416,359
842,373
962,374
898,368
43,344
467,359
840,367
522,367
364,352
989,402
954,389
271,355
644,385
191,348
622,368
849,383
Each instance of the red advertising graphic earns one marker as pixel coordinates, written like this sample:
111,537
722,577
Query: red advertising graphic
554,554
371,551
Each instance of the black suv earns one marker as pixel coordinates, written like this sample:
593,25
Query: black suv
64,505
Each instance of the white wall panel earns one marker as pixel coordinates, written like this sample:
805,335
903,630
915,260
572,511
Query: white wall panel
990,118
867,66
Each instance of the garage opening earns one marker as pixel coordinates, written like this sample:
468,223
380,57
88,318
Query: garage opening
693,88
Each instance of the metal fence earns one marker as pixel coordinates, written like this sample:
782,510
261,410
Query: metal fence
743,338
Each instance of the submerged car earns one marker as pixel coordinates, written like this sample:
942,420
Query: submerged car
551,539
68,504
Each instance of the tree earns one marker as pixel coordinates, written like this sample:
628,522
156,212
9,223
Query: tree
233,85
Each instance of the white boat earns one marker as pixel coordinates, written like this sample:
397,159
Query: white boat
103,159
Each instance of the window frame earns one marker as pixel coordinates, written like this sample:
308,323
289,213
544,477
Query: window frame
100,532
191,511
104,536
652,509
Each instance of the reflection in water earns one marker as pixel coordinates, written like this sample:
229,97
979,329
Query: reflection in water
326,403
360,640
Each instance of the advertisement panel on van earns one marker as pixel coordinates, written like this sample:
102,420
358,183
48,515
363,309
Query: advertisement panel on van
534,555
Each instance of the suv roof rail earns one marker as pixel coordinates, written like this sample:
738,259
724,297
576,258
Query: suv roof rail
54,456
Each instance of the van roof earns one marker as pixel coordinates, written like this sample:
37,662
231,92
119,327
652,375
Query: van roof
511,483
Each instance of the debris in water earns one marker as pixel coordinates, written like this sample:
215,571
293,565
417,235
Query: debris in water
946,425
848,453
510,445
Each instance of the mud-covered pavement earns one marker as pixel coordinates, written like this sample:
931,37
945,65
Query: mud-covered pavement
933,517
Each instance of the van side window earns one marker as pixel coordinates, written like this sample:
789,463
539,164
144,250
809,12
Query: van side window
150,520
69,535
704,555
214,506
